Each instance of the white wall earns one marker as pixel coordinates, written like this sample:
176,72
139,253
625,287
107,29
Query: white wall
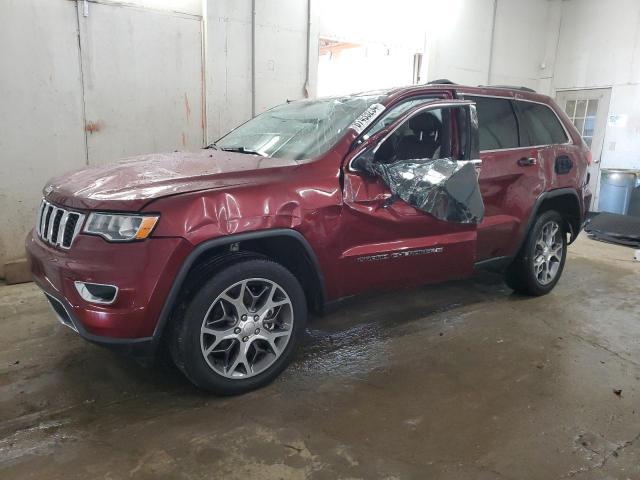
364,68
144,92
524,44
193,7
41,118
281,52
454,35
280,58
400,23
228,65
599,46
459,45
63,107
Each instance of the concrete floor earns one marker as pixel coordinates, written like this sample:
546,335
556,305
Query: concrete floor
463,380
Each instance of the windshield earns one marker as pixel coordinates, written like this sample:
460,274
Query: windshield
298,130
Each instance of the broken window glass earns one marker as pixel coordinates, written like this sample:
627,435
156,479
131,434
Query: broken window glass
302,129
444,188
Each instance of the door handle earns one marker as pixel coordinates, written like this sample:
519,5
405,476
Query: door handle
527,161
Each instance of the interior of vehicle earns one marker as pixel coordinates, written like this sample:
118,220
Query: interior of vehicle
424,136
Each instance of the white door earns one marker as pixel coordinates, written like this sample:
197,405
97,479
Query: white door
588,110
142,76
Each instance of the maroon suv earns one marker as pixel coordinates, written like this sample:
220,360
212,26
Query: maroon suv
219,254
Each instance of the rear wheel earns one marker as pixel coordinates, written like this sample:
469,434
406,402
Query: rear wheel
240,329
538,266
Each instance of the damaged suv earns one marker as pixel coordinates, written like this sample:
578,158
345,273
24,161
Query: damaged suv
220,254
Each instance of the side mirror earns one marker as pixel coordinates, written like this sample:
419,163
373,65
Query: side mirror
362,163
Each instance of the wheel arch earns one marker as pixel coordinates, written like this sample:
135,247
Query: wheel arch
563,200
566,202
286,246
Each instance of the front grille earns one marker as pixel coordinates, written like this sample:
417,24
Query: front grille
58,226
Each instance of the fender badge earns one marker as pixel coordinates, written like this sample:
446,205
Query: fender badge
401,254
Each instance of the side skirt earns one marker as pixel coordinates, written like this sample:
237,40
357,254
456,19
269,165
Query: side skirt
496,264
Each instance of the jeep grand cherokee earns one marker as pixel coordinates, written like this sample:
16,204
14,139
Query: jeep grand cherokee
219,254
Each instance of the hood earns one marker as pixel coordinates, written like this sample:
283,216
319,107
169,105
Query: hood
132,183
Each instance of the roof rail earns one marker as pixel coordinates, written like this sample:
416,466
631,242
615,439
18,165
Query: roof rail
441,81
510,87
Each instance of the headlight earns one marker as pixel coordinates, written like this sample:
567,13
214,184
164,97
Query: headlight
120,228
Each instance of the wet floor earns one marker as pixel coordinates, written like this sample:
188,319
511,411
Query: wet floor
464,380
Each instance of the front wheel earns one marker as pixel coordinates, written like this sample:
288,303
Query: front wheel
240,330
538,266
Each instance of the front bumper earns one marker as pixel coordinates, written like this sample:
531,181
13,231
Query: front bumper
143,272
142,348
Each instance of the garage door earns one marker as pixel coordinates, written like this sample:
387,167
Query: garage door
142,74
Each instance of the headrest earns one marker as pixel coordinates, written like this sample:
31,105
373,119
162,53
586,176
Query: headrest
425,122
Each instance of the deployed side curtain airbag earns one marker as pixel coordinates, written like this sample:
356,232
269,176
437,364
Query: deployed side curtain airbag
444,188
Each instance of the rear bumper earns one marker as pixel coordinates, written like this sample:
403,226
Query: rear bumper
144,273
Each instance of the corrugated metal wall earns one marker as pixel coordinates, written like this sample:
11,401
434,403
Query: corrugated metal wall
80,90
278,68
142,72
41,118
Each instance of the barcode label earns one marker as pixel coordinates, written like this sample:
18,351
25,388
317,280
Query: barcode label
369,115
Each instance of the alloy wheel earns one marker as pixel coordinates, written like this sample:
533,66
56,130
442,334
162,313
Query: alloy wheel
548,253
246,328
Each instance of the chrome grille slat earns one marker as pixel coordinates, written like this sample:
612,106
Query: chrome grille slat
47,218
50,223
53,231
39,225
42,215
61,225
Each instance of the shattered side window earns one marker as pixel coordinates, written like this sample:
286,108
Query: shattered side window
302,129
415,162
444,188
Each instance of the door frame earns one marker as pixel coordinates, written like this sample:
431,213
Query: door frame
395,244
603,95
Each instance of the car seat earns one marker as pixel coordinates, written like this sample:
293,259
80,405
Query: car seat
425,139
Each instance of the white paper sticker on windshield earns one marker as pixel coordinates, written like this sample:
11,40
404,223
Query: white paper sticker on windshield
369,115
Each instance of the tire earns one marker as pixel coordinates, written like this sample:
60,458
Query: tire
238,324
539,264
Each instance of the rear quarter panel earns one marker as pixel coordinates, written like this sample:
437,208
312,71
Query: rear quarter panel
580,155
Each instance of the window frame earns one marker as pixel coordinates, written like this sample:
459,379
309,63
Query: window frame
428,97
514,112
450,103
529,131
512,100
573,116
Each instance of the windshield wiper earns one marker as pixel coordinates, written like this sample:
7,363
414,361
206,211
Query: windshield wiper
242,150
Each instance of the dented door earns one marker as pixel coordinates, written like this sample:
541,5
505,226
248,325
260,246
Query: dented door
389,243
